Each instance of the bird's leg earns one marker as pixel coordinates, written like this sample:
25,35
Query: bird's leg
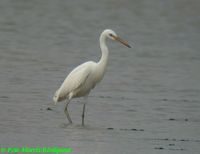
67,113
83,113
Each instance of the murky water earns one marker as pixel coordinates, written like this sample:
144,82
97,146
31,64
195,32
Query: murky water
149,99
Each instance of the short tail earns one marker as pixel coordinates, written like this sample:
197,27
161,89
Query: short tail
55,97
58,97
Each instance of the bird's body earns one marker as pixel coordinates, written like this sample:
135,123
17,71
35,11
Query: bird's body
85,76
79,82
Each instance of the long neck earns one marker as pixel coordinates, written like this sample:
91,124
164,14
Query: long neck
102,64
104,50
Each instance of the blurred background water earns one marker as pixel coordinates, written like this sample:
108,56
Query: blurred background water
149,99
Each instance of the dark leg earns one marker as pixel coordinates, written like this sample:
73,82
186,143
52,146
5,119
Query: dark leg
83,114
67,113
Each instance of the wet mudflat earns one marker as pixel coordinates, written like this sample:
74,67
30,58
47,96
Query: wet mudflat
149,99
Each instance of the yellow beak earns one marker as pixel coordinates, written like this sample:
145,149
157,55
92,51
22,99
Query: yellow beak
116,38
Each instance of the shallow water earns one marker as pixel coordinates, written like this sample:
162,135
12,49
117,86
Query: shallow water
149,99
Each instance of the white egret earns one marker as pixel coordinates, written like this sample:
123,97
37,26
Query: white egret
85,76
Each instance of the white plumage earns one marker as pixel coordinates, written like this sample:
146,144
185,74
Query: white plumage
85,76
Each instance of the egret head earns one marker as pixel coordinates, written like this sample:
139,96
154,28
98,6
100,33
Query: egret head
113,36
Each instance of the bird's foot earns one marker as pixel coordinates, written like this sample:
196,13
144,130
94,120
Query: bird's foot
65,125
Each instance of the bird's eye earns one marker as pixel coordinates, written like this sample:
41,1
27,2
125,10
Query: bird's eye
111,34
